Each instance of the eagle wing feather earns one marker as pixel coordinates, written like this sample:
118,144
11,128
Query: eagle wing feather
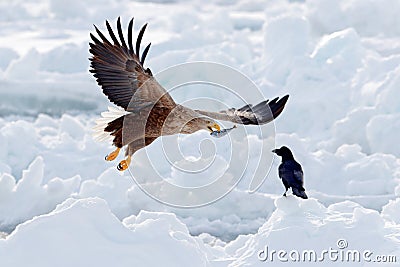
119,70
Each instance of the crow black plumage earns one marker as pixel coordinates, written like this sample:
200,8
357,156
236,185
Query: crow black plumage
290,172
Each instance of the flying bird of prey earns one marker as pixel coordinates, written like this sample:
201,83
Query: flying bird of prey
290,172
146,110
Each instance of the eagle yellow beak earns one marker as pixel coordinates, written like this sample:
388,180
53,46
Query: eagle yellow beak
215,126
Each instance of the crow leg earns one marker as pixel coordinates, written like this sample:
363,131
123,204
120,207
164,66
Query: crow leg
284,194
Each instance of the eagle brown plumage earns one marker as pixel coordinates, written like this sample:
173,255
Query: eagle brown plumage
146,110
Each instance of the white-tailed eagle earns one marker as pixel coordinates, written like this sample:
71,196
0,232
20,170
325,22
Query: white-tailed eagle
146,110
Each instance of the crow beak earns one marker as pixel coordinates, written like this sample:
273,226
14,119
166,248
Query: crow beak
274,151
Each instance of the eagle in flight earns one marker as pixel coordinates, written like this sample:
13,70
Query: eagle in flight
146,110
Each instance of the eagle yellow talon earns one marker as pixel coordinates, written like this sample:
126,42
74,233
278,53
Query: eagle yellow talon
113,155
124,164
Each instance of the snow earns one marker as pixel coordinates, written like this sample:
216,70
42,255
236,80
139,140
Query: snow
36,197
317,227
62,204
139,240
83,232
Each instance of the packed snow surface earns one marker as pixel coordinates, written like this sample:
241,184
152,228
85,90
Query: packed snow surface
61,204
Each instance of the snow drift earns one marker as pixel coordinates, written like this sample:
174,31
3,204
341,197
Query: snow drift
338,60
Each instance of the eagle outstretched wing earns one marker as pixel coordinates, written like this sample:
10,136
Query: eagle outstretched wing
119,69
262,113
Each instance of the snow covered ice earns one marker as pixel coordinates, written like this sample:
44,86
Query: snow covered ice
62,204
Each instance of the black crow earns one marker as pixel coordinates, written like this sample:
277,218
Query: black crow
290,172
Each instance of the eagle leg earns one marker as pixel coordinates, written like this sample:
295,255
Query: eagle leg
113,155
124,164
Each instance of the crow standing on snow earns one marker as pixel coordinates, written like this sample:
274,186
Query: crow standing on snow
290,172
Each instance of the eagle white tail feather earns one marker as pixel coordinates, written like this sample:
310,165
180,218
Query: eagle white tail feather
101,123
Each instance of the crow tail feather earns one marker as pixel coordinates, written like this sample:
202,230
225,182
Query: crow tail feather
299,193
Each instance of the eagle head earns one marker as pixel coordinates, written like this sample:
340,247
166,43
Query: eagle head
200,123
